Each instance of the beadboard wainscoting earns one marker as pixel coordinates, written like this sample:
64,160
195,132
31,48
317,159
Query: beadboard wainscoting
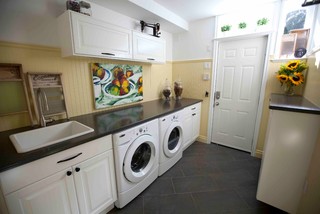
76,75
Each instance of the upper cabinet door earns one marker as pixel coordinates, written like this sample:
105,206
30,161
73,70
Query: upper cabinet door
148,48
85,36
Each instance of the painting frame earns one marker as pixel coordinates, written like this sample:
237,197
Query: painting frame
116,84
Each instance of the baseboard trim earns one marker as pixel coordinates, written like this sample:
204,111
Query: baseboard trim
259,153
202,139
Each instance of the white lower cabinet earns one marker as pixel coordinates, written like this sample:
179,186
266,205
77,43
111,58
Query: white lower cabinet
55,194
84,186
95,183
191,124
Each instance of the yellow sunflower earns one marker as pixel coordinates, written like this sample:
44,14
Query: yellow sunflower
282,78
297,78
291,65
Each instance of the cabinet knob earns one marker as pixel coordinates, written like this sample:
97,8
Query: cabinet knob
77,169
69,173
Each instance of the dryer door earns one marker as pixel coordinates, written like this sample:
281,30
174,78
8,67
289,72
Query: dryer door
140,158
172,141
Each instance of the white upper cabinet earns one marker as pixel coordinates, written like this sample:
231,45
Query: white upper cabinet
148,48
82,35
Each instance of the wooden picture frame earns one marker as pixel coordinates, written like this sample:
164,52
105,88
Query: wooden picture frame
302,37
288,45
13,89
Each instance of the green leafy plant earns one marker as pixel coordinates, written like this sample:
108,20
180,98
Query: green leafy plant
242,25
262,21
225,28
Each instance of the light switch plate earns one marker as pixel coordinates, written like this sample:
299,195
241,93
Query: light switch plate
206,76
207,65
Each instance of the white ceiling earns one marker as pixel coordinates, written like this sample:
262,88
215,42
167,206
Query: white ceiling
192,10
185,10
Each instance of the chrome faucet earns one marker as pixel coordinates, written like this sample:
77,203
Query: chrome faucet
43,120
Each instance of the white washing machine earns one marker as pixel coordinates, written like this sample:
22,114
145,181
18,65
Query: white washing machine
136,153
171,140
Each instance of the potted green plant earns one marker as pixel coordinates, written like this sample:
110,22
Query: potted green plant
225,28
262,21
242,25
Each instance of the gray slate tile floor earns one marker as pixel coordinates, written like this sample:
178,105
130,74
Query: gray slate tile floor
208,179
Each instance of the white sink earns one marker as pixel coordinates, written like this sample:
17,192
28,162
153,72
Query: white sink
34,139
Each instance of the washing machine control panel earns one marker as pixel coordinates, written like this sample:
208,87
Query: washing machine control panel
174,118
141,130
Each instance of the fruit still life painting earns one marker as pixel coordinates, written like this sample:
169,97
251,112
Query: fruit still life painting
116,84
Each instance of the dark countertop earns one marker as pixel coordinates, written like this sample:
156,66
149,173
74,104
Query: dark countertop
103,123
292,103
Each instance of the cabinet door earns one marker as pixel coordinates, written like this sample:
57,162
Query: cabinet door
195,124
93,37
95,183
187,134
55,194
148,48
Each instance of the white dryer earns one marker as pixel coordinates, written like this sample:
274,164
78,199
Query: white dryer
136,152
171,140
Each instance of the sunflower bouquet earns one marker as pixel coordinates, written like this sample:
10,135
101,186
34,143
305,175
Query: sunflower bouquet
290,74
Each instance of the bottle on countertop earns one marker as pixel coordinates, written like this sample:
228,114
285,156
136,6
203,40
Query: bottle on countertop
178,89
166,90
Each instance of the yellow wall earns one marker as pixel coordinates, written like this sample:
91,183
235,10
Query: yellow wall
312,91
76,77
190,72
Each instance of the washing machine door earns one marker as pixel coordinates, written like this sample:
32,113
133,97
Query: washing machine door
172,141
140,158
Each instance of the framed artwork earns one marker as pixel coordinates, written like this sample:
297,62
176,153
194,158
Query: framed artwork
116,84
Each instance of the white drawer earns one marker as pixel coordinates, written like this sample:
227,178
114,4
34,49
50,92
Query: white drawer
19,177
192,109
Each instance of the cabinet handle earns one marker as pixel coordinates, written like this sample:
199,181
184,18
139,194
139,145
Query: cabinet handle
150,59
193,108
77,169
109,54
193,114
69,173
65,160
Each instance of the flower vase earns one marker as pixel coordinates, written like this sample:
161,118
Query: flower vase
288,89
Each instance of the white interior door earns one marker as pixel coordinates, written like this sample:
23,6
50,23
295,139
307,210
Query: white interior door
239,73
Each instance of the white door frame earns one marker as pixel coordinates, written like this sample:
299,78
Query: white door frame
263,83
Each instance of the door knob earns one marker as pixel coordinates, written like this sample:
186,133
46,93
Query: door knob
217,103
